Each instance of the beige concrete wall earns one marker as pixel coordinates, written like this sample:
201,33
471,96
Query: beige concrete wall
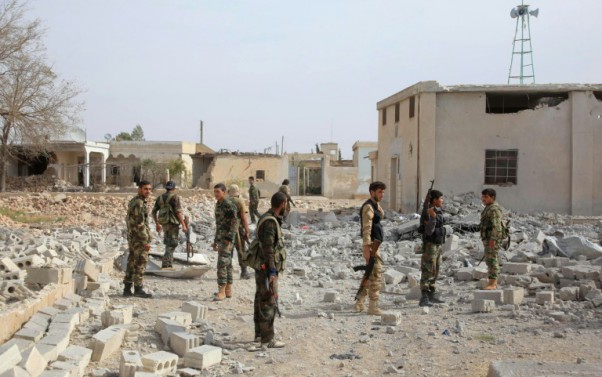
338,182
596,120
66,167
230,169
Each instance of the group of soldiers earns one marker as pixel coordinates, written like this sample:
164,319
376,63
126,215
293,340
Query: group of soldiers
231,232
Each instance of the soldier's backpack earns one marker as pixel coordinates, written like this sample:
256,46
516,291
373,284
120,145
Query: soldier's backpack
165,214
251,257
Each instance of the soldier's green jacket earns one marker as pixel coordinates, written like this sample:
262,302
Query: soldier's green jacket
174,201
226,223
491,222
253,194
270,244
137,221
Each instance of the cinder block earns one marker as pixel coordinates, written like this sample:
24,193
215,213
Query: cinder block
118,316
161,363
569,293
514,295
331,296
44,275
48,351
71,319
196,310
30,334
23,344
496,295
63,304
66,366
77,355
60,340
182,342
88,268
165,327
203,357
181,317
542,297
7,265
483,306
106,342
393,277
129,363
29,261
464,274
390,318
33,361
9,357
516,268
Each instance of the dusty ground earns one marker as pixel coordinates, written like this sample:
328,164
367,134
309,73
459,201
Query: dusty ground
329,338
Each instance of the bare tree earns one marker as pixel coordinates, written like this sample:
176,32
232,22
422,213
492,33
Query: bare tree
17,35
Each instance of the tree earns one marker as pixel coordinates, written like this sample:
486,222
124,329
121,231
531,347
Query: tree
176,167
137,133
34,104
123,136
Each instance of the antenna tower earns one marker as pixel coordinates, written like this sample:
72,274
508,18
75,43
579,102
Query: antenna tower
522,49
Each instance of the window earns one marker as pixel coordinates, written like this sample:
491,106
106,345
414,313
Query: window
260,175
397,112
384,116
114,170
501,166
412,106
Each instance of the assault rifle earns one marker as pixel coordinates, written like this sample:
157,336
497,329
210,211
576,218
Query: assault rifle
270,287
189,247
367,268
425,206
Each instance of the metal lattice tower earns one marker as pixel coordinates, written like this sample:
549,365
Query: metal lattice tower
522,49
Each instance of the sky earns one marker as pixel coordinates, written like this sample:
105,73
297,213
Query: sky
309,71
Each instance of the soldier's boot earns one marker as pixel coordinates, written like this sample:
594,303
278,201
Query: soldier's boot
373,308
434,297
492,285
273,344
424,300
221,294
127,289
139,292
228,290
359,305
244,273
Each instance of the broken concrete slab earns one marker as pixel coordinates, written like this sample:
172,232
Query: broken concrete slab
524,368
203,357
107,342
129,363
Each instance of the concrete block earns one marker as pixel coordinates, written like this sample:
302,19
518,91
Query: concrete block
516,268
464,274
197,311
118,316
331,296
569,294
414,294
165,327
106,342
203,357
77,355
30,334
10,357
161,363
183,318
23,344
88,268
29,261
514,296
44,275
182,342
71,319
60,340
581,272
390,318
63,304
101,286
33,362
189,372
145,374
49,311
7,265
546,296
65,366
81,282
48,351
129,363
393,277
497,296
483,306
16,372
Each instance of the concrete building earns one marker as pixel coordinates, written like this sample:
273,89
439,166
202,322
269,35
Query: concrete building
536,145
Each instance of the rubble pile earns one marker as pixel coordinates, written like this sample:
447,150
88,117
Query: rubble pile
62,310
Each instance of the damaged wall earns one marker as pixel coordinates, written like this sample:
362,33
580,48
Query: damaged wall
339,178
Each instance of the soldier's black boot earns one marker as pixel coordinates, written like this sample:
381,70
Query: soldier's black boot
244,274
127,289
434,297
139,292
424,300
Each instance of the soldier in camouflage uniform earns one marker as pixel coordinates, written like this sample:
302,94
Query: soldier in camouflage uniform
242,233
253,200
433,239
491,234
266,279
371,213
172,227
226,226
138,235
289,200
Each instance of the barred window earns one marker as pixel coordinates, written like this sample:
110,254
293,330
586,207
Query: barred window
260,175
501,166
384,116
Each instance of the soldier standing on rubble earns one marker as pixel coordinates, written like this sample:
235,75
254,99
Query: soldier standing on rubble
253,200
139,238
225,231
169,220
371,214
286,191
433,239
242,231
491,234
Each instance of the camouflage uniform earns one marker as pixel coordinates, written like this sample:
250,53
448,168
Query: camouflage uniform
253,203
371,214
491,229
430,262
138,235
265,302
226,225
286,191
172,229
239,242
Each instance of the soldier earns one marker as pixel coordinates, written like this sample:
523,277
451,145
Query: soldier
371,213
491,234
266,279
253,199
286,191
432,241
139,238
242,233
170,218
225,231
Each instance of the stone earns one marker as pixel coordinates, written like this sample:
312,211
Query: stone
16,372
77,355
129,363
9,357
390,318
181,317
197,311
393,277
106,342
543,297
483,306
496,295
581,272
182,342
60,340
569,294
165,327
66,366
88,268
331,296
203,357
120,315
29,333
161,363
514,295
516,268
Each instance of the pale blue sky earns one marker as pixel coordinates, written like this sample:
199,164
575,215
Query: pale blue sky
255,71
